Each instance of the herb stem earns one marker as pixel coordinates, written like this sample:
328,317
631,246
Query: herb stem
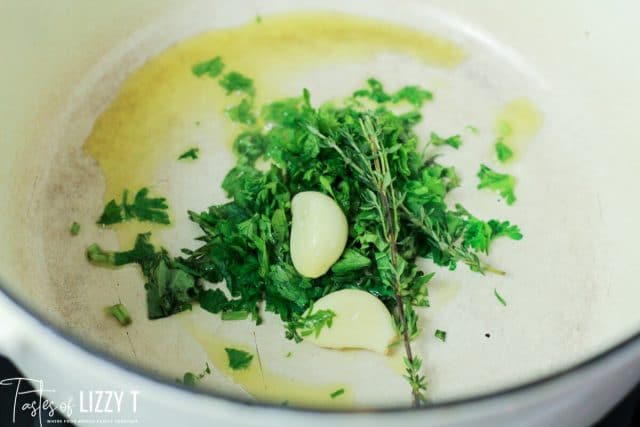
381,167
474,263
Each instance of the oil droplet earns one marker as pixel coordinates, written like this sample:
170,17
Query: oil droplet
163,108
517,123
264,385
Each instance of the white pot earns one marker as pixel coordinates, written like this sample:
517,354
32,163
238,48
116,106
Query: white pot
580,57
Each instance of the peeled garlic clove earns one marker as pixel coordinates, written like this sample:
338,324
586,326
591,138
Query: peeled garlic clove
361,321
319,232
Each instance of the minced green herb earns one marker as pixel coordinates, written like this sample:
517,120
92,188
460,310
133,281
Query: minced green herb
502,183
310,323
503,152
238,359
171,287
441,335
120,312
191,153
337,393
499,297
141,208
212,67
453,141
474,130
242,113
394,195
75,229
236,82
414,95
190,379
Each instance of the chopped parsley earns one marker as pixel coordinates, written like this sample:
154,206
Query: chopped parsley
238,359
375,92
351,260
191,153
234,315
212,68
453,141
236,82
310,323
503,152
337,393
478,234
75,229
170,286
502,183
441,335
242,112
120,312
141,208
414,95
190,379
288,354
499,297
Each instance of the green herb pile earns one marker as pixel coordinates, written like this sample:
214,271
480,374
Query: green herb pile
391,188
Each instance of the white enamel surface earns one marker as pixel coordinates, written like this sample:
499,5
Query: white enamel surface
361,321
574,59
319,233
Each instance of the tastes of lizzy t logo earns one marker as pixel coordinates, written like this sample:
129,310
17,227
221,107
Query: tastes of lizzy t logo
88,407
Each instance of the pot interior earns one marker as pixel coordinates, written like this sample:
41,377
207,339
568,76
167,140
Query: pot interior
101,97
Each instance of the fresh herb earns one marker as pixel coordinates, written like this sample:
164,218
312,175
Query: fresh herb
236,82
190,379
120,312
242,112
416,380
394,195
502,301
502,183
503,151
191,153
337,393
310,323
441,335
453,141
212,68
170,289
75,229
142,208
234,315
478,234
414,95
258,19
375,92
288,354
238,359
351,260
